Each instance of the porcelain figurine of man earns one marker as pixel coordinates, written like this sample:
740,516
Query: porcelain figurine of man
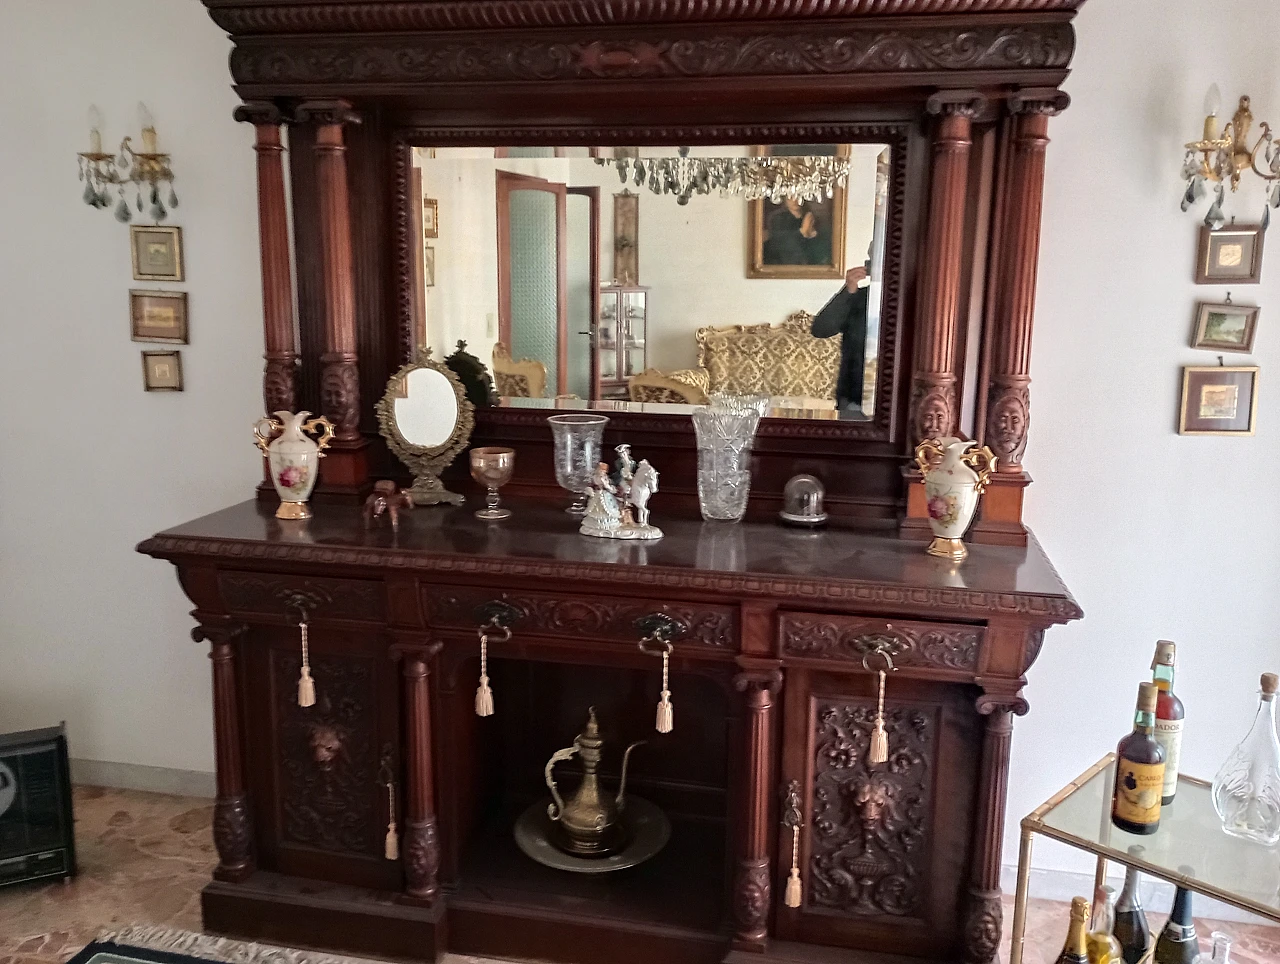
604,516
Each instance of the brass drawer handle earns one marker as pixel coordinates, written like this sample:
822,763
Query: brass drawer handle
658,631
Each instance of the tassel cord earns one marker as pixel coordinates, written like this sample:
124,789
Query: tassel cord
306,685
391,846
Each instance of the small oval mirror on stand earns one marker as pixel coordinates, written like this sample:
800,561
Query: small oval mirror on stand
427,420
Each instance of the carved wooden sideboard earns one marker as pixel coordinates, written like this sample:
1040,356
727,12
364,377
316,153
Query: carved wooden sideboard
771,689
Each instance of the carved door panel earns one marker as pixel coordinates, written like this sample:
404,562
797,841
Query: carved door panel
315,772
884,850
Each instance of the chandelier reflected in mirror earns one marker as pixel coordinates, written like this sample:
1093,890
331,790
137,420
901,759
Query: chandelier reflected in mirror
775,178
1222,157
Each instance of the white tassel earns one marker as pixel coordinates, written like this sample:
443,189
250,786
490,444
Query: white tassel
391,846
484,695
879,752
792,896
666,714
306,685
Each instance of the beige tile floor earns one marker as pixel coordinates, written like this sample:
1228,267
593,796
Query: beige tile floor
144,857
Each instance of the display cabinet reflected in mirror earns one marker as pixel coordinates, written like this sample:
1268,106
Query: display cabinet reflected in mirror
742,269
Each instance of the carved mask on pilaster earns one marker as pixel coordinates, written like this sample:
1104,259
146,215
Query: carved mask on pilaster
1007,425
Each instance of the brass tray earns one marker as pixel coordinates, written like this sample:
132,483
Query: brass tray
648,826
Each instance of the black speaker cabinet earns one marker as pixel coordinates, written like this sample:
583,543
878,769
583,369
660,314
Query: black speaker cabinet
37,833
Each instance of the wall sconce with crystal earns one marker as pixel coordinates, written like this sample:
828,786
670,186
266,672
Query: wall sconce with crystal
148,168
1223,157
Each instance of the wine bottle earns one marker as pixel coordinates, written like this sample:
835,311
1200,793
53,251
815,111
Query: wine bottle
1132,930
1135,805
1178,943
1076,949
1169,717
1103,946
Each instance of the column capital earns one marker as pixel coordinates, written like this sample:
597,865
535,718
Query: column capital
324,112
258,112
1039,100
957,103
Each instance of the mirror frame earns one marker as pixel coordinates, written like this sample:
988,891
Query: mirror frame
426,462
907,185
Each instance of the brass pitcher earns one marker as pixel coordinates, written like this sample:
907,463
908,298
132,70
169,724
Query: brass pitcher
588,825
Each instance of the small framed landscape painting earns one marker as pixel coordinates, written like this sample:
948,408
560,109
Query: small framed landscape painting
158,316
162,371
1232,255
1218,401
157,253
430,217
1225,327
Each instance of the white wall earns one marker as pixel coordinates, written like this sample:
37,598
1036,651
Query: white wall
1157,535
90,464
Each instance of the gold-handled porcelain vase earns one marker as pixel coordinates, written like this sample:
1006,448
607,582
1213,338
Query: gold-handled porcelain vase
956,473
293,457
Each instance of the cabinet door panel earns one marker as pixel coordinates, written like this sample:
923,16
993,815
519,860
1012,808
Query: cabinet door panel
885,847
321,811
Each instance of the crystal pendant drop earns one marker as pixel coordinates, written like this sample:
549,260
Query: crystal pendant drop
1246,791
158,213
173,197
1215,219
1266,217
139,200
90,195
123,214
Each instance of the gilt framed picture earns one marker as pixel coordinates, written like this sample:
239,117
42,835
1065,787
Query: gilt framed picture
158,316
156,253
430,217
1230,255
1218,401
162,371
794,238
1225,327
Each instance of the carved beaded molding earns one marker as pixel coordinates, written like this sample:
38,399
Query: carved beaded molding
309,16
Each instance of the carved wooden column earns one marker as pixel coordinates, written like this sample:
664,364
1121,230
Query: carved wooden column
421,837
281,348
1008,399
935,409
345,467
752,885
985,917
232,823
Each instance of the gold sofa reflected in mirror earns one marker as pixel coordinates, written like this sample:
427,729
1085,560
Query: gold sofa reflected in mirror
525,378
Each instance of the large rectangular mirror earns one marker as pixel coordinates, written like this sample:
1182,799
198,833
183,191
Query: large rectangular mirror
649,278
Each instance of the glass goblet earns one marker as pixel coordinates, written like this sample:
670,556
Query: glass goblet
578,439
492,467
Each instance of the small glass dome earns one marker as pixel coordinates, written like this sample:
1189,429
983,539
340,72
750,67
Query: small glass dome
802,502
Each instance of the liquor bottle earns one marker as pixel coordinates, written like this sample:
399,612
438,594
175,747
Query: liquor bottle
1076,949
1246,791
1169,716
1132,930
1135,806
1103,946
1178,943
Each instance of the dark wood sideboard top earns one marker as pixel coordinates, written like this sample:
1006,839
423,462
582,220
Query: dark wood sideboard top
833,567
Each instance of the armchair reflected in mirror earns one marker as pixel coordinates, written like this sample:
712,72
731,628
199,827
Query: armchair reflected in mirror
761,271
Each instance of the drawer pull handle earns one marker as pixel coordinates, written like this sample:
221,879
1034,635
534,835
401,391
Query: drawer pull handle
879,751
793,818
484,693
306,685
659,630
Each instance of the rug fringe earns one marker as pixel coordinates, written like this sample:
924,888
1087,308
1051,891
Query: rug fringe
223,949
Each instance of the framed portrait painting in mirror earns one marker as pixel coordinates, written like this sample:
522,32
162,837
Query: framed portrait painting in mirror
795,238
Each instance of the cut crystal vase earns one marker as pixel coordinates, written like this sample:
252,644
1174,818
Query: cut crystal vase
725,429
578,440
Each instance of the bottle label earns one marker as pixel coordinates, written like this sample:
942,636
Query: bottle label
1138,790
1169,735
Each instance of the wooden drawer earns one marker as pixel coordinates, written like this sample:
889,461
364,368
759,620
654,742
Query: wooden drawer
942,650
268,594
579,616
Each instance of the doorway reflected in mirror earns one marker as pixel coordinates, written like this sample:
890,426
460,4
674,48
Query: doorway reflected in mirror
652,278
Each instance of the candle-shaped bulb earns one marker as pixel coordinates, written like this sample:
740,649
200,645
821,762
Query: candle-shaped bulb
148,124
1212,104
95,129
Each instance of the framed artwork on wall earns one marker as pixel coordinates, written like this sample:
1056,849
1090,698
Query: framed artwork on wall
156,253
158,316
1231,255
1218,401
626,236
430,217
794,238
428,266
1225,327
162,371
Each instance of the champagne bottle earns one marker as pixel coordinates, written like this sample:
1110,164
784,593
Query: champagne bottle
1178,943
1103,946
1169,717
1076,949
1132,930
1135,805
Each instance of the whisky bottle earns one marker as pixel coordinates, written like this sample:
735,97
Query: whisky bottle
1103,946
1135,806
1169,716
1178,943
1076,949
1132,930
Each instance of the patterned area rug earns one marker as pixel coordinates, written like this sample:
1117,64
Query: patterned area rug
146,944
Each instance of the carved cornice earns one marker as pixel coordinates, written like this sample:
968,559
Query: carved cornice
349,16
1047,609
842,49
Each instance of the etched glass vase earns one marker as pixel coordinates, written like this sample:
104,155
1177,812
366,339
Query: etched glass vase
578,440
1246,791
725,429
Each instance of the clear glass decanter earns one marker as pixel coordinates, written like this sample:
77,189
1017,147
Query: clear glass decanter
1246,791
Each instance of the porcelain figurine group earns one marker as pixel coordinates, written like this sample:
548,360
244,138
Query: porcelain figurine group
618,507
